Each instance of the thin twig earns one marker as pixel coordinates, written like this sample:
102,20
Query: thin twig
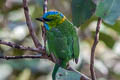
13,45
83,77
29,24
25,56
43,28
45,6
96,39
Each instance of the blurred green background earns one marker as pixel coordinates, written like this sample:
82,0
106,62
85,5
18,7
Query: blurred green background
13,28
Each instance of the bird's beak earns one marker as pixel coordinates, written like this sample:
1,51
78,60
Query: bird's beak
40,19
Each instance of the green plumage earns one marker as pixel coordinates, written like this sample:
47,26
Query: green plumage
63,42
62,39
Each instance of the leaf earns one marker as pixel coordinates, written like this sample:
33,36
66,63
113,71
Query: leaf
82,10
63,74
107,39
108,10
85,25
115,27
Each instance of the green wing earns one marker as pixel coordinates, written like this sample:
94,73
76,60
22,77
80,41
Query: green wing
76,48
68,29
57,44
73,43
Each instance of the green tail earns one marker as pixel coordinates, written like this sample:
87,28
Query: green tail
55,71
63,65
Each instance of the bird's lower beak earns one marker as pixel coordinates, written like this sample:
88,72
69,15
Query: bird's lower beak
40,19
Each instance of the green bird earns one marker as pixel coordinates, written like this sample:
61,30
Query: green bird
62,39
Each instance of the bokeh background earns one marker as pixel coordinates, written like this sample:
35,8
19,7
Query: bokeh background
13,28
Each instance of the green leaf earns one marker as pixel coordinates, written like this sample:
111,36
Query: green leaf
108,10
107,39
82,10
86,24
115,27
63,74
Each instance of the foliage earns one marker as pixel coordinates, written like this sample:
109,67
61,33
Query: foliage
82,11
63,74
108,10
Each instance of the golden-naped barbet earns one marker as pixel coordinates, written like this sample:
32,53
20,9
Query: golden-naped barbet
62,39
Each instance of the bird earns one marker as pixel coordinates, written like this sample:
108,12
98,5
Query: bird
62,39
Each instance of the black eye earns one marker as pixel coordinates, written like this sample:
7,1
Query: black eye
47,19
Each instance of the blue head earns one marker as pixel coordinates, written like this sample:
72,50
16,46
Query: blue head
52,19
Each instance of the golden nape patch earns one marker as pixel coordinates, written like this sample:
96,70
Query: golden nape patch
63,19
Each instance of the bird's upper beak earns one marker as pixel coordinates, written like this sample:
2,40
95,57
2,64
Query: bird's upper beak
40,19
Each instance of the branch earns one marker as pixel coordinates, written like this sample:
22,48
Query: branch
43,28
13,45
45,6
29,24
83,77
24,56
96,39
